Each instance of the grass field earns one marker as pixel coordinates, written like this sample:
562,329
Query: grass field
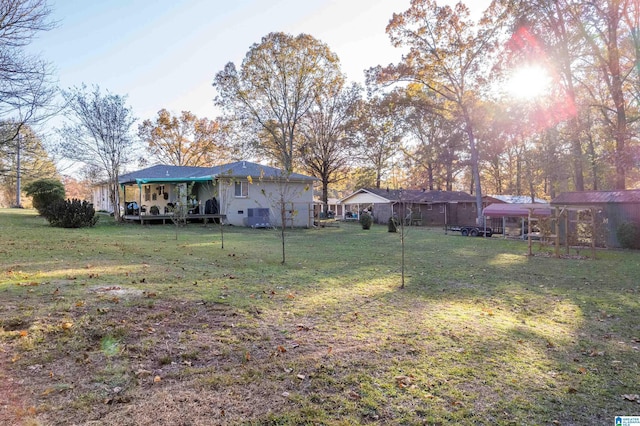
127,325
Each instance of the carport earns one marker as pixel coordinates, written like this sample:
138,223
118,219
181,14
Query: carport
537,211
533,212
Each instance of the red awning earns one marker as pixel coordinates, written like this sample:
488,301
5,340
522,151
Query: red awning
517,210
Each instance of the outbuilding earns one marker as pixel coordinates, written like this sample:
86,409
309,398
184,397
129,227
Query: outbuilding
605,210
413,206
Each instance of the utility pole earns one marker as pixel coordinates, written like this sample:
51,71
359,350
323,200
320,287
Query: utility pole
18,190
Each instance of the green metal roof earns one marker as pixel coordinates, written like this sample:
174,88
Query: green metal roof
141,181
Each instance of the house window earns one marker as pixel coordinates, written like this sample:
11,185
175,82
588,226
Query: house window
442,206
473,207
241,189
429,206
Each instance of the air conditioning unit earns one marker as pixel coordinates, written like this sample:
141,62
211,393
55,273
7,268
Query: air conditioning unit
257,218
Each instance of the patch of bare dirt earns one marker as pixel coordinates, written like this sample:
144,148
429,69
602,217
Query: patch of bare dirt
131,358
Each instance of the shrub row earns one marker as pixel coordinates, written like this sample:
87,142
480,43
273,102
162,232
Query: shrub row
70,214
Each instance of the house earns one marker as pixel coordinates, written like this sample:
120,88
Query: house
415,207
241,193
596,212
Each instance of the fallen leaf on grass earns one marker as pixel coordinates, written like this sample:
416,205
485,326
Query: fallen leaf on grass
281,349
354,395
631,397
572,390
142,373
301,376
67,325
403,381
23,333
47,391
157,379
582,370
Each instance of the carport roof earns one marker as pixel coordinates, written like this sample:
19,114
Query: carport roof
517,210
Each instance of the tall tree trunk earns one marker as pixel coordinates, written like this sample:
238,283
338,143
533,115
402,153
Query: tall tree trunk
574,124
325,194
475,165
617,95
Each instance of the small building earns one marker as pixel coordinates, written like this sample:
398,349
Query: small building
513,219
597,212
241,193
501,222
414,207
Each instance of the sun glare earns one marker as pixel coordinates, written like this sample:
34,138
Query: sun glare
528,82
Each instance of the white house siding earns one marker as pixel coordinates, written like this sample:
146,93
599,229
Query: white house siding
100,198
266,194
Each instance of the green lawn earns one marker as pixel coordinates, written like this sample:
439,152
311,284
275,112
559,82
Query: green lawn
124,324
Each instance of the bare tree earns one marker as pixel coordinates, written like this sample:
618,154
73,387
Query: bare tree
25,87
99,133
326,145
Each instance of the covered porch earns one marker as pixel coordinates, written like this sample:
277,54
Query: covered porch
162,199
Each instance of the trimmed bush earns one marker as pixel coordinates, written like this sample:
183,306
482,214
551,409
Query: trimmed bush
44,193
628,234
393,224
71,214
366,220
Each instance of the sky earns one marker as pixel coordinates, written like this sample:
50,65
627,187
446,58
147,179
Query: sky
165,53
